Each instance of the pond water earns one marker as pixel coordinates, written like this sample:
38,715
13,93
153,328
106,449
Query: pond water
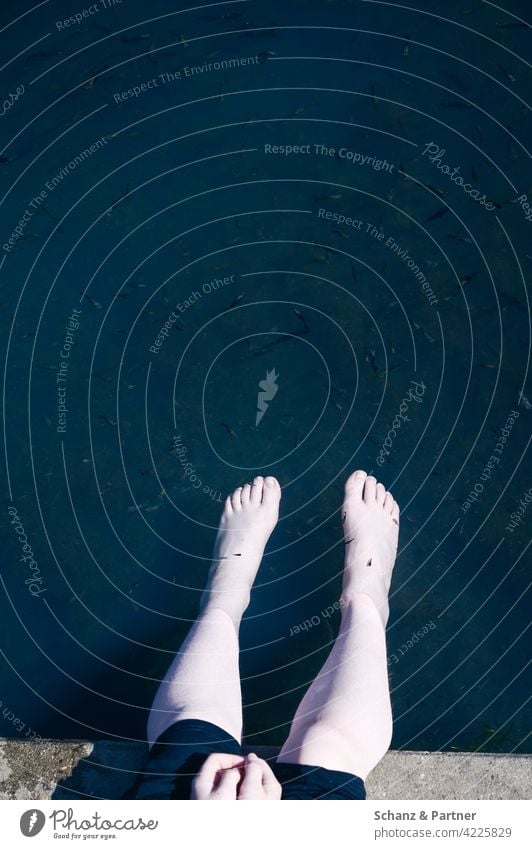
331,198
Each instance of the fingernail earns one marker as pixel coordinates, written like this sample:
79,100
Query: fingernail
252,756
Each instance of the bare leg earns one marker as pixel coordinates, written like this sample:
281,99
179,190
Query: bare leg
344,721
203,682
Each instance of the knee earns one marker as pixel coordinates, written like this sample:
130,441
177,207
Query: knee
350,746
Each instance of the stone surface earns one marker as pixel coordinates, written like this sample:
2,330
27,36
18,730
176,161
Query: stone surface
105,770
450,775
30,770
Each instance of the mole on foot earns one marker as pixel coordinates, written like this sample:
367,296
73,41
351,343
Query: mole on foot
250,515
370,517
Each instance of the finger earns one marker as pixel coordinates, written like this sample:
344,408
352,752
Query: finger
227,785
270,785
205,780
251,786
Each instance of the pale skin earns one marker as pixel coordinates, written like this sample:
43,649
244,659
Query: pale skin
344,721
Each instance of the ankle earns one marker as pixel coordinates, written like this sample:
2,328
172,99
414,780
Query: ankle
232,606
357,603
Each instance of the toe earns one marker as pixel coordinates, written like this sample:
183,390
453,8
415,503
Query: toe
271,491
354,484
388,502
236,498
370,488
228,507
246,492
256,490
395,511
380,494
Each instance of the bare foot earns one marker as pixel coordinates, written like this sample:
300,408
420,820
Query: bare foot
371,529
250,515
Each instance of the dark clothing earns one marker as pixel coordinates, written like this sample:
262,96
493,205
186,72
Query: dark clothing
178,754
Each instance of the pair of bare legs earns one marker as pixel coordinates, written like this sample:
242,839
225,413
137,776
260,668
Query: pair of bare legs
344,721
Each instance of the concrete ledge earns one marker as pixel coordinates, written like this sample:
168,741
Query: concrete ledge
67,770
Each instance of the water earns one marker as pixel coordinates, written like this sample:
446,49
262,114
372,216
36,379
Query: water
166,260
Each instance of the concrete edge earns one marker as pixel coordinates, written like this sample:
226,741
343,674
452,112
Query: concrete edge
75,769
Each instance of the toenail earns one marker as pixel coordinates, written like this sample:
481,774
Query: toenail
269,481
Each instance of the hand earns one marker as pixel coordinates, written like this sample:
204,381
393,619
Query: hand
229,777
218,778
259,783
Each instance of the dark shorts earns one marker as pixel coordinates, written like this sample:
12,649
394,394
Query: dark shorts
179,753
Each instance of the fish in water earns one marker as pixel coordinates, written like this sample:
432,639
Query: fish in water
438,214
510,77
456,104
514,25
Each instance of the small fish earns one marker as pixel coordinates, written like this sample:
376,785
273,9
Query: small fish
44,54
459,238
96,304
374,99
456,81
108,420
438,214
132,39
456,104
441,192
90,83
336,196
370,357
384,371
509,77
524,402
481,137
341,234
236,301
152,49
514,25
320,256
467,278
265,55
182,40
302,318
229,429
469,12
118,200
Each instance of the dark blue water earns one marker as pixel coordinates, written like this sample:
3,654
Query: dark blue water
175,188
